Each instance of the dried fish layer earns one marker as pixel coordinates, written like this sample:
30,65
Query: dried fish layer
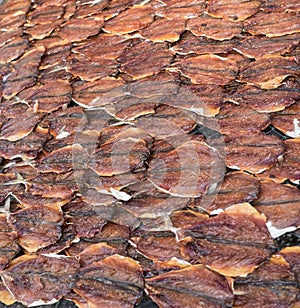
121,126
231,253
280,203
287,120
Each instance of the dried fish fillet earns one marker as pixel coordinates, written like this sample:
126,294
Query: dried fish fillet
98,93
281,205
166,121
48,97
145,59
115,281
273,24
216,29
271,285
264,47
269,73
84,217
176,8
287,120
61,160
8,244
107,46
232,243
232,116
157,246
95,253
126,151
80,29
187,170
288,166
233,10
254,153
130,20
190,44
193,286
37,227
208,69
267,100
37,280
13,49
23,72
236,187
90,70
162,30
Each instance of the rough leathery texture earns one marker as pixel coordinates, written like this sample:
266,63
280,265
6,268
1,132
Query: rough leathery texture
149,153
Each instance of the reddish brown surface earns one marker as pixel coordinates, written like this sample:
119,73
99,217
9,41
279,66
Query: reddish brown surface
149,147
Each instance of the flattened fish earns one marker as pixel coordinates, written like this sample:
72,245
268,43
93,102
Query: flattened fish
176,8
273,24
288,166
281,205
8,244
270,72
24,72
193,286
208,69
88,69
84,217
253,153
266,100
116,281
61,160
13,129
130,20
153,204
126,151
114,235
187,170
48,97
37,280
95,253
65,122
98,93
103,46
287,120
145,59
166,121
263,47
191,44
42,185
13,49
37,227
236,187
198,99
216,29
76,30
157,246
44,19
162,30
232,116
233,10
271,285
232,243
57,51
291,255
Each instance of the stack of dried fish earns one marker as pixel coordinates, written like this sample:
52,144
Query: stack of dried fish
149,151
